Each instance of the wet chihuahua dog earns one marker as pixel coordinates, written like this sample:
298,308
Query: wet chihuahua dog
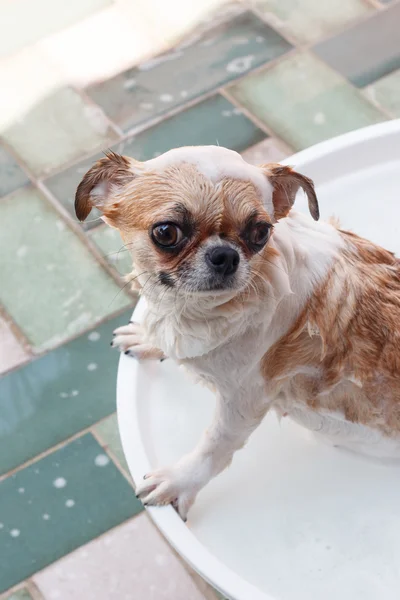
270,308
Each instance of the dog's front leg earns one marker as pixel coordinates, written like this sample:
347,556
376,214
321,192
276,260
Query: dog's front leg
234,420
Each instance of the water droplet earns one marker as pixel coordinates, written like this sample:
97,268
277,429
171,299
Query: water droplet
22,251
70,503
319,118
94,336
129,83
101,460
166,97
15,533
240,65
92,367
60,482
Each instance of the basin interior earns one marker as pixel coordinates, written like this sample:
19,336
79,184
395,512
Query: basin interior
296,518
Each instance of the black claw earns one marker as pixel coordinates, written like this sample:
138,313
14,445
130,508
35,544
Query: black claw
162,359
114,334
127,352
111,343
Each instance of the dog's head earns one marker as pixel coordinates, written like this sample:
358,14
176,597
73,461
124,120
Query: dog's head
198,219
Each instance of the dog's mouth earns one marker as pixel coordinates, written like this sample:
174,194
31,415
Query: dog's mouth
189,284
216,285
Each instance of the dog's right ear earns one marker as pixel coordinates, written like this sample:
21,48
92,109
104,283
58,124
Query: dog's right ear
101,183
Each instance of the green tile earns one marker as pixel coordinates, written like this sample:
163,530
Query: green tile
108,433
112,247
22,594
212,121
206,62
58,504
11,174
59,129
24,22
367,51
304,101
311,20
52,285
386,92
58,395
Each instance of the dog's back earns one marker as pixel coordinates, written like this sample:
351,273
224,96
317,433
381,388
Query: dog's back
341,359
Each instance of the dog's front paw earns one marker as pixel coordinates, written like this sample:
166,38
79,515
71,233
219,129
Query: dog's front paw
131,340
168,486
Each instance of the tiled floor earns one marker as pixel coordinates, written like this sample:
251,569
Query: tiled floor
264,77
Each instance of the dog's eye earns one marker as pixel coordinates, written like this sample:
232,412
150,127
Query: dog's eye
259,234
167,235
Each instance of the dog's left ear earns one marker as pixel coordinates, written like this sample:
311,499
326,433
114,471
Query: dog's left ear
286,184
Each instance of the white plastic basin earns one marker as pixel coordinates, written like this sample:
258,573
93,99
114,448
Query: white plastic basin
291,519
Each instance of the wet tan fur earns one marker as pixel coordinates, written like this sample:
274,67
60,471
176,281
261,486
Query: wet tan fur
350,331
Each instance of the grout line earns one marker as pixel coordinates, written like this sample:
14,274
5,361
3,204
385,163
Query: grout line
111,454
375,4
290,55
17,332
25,169
90,102
30,584
14,588
359,91
39,353
370,98
46,453
175,110
258,122
34,590
301,46
287,35
65,442
80,233
349,26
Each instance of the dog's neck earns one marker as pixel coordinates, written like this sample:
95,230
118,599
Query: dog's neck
189,326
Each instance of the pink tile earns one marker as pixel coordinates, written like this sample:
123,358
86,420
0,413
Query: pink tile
269,150
12,352
131,561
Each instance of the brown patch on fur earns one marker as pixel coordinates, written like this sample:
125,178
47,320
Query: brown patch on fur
153,197
241,203
356,312
114,170
286,184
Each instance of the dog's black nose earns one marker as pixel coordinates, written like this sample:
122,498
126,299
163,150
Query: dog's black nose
224,260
